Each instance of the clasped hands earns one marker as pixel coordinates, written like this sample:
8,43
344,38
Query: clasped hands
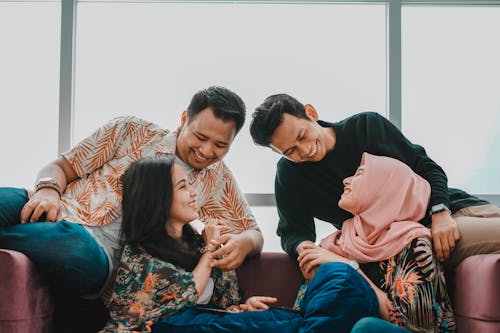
228,250
312,255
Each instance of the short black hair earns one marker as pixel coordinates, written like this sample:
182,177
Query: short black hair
147,199
269,115
225,104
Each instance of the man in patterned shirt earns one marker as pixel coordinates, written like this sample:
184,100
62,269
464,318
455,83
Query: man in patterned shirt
69,225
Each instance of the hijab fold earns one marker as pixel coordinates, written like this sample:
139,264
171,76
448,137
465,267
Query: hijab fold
393,199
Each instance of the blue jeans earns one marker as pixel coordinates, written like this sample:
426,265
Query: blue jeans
336,298
372,324
193,321
65,252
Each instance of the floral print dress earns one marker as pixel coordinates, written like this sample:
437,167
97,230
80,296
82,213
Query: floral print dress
147,289
416,289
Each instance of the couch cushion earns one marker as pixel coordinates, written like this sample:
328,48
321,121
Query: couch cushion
27,304
477,294
270,274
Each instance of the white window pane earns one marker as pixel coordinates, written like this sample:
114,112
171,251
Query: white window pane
148,59
451,85
29,89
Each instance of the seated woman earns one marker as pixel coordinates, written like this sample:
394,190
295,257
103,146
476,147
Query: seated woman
165,281
387,198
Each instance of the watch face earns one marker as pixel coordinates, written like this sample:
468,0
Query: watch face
45,180
438,208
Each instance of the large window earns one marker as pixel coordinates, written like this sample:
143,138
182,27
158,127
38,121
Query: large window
451,85
147,58
154,56
29,88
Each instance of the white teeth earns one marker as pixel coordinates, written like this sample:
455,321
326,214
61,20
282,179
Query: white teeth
314,150
199,157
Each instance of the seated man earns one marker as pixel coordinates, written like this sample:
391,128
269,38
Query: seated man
318,155
69,225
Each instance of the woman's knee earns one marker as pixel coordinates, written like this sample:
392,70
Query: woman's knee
374,324
12,201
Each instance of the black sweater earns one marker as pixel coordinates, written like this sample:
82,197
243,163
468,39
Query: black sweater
309,190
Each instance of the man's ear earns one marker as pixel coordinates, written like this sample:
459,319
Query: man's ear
311,112
184,119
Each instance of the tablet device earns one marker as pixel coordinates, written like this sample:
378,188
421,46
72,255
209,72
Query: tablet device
218,311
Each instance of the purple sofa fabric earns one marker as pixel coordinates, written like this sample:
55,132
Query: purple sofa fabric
26,302
273,274
477,294
476,289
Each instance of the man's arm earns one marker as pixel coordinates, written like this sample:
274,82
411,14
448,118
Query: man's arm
82,159
231,208
386,139
296,225
47,200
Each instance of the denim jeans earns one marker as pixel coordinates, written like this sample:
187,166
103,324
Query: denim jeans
336,298
372,324
65,252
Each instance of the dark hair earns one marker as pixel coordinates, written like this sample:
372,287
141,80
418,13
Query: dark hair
225,104
147,198
269,115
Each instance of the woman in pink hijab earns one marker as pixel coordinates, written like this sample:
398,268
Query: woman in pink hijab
387,200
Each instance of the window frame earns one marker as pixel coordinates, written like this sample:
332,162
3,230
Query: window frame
394,62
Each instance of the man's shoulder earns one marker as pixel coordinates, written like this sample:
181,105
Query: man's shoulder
363,117
134,120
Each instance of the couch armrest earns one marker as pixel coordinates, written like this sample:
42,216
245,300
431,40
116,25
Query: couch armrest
26,302
270,274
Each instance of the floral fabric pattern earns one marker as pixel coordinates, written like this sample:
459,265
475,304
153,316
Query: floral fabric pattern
416,289
147,288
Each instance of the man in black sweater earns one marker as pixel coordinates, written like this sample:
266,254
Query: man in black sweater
318,156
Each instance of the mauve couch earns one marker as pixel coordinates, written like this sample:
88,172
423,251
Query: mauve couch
28,306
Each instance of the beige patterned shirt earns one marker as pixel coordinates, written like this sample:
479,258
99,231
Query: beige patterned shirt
101,159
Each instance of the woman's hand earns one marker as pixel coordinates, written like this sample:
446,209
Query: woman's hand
211,235
258,303
312,256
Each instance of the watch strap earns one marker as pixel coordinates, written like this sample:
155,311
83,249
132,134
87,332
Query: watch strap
48,183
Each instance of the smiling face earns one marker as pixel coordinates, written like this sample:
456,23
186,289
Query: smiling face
302,140
183,209
205,139
352,191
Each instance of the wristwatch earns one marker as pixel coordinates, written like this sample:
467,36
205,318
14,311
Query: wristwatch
47,182
438,209
354,264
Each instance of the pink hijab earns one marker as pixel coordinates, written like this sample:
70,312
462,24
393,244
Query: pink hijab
391,203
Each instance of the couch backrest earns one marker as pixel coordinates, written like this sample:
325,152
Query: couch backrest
270,274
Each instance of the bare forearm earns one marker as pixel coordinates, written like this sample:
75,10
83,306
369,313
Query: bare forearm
55,172
254,240
381,296
201,273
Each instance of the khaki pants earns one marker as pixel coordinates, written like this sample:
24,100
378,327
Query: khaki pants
479,228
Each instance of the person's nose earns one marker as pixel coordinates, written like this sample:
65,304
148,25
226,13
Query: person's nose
207,149
347,181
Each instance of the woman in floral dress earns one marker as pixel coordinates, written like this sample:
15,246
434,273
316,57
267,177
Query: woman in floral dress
387,199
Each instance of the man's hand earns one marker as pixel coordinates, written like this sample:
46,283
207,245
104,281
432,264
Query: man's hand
258,303
47,201
312,256
301,245
445,233
211,233
234,250
221,227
